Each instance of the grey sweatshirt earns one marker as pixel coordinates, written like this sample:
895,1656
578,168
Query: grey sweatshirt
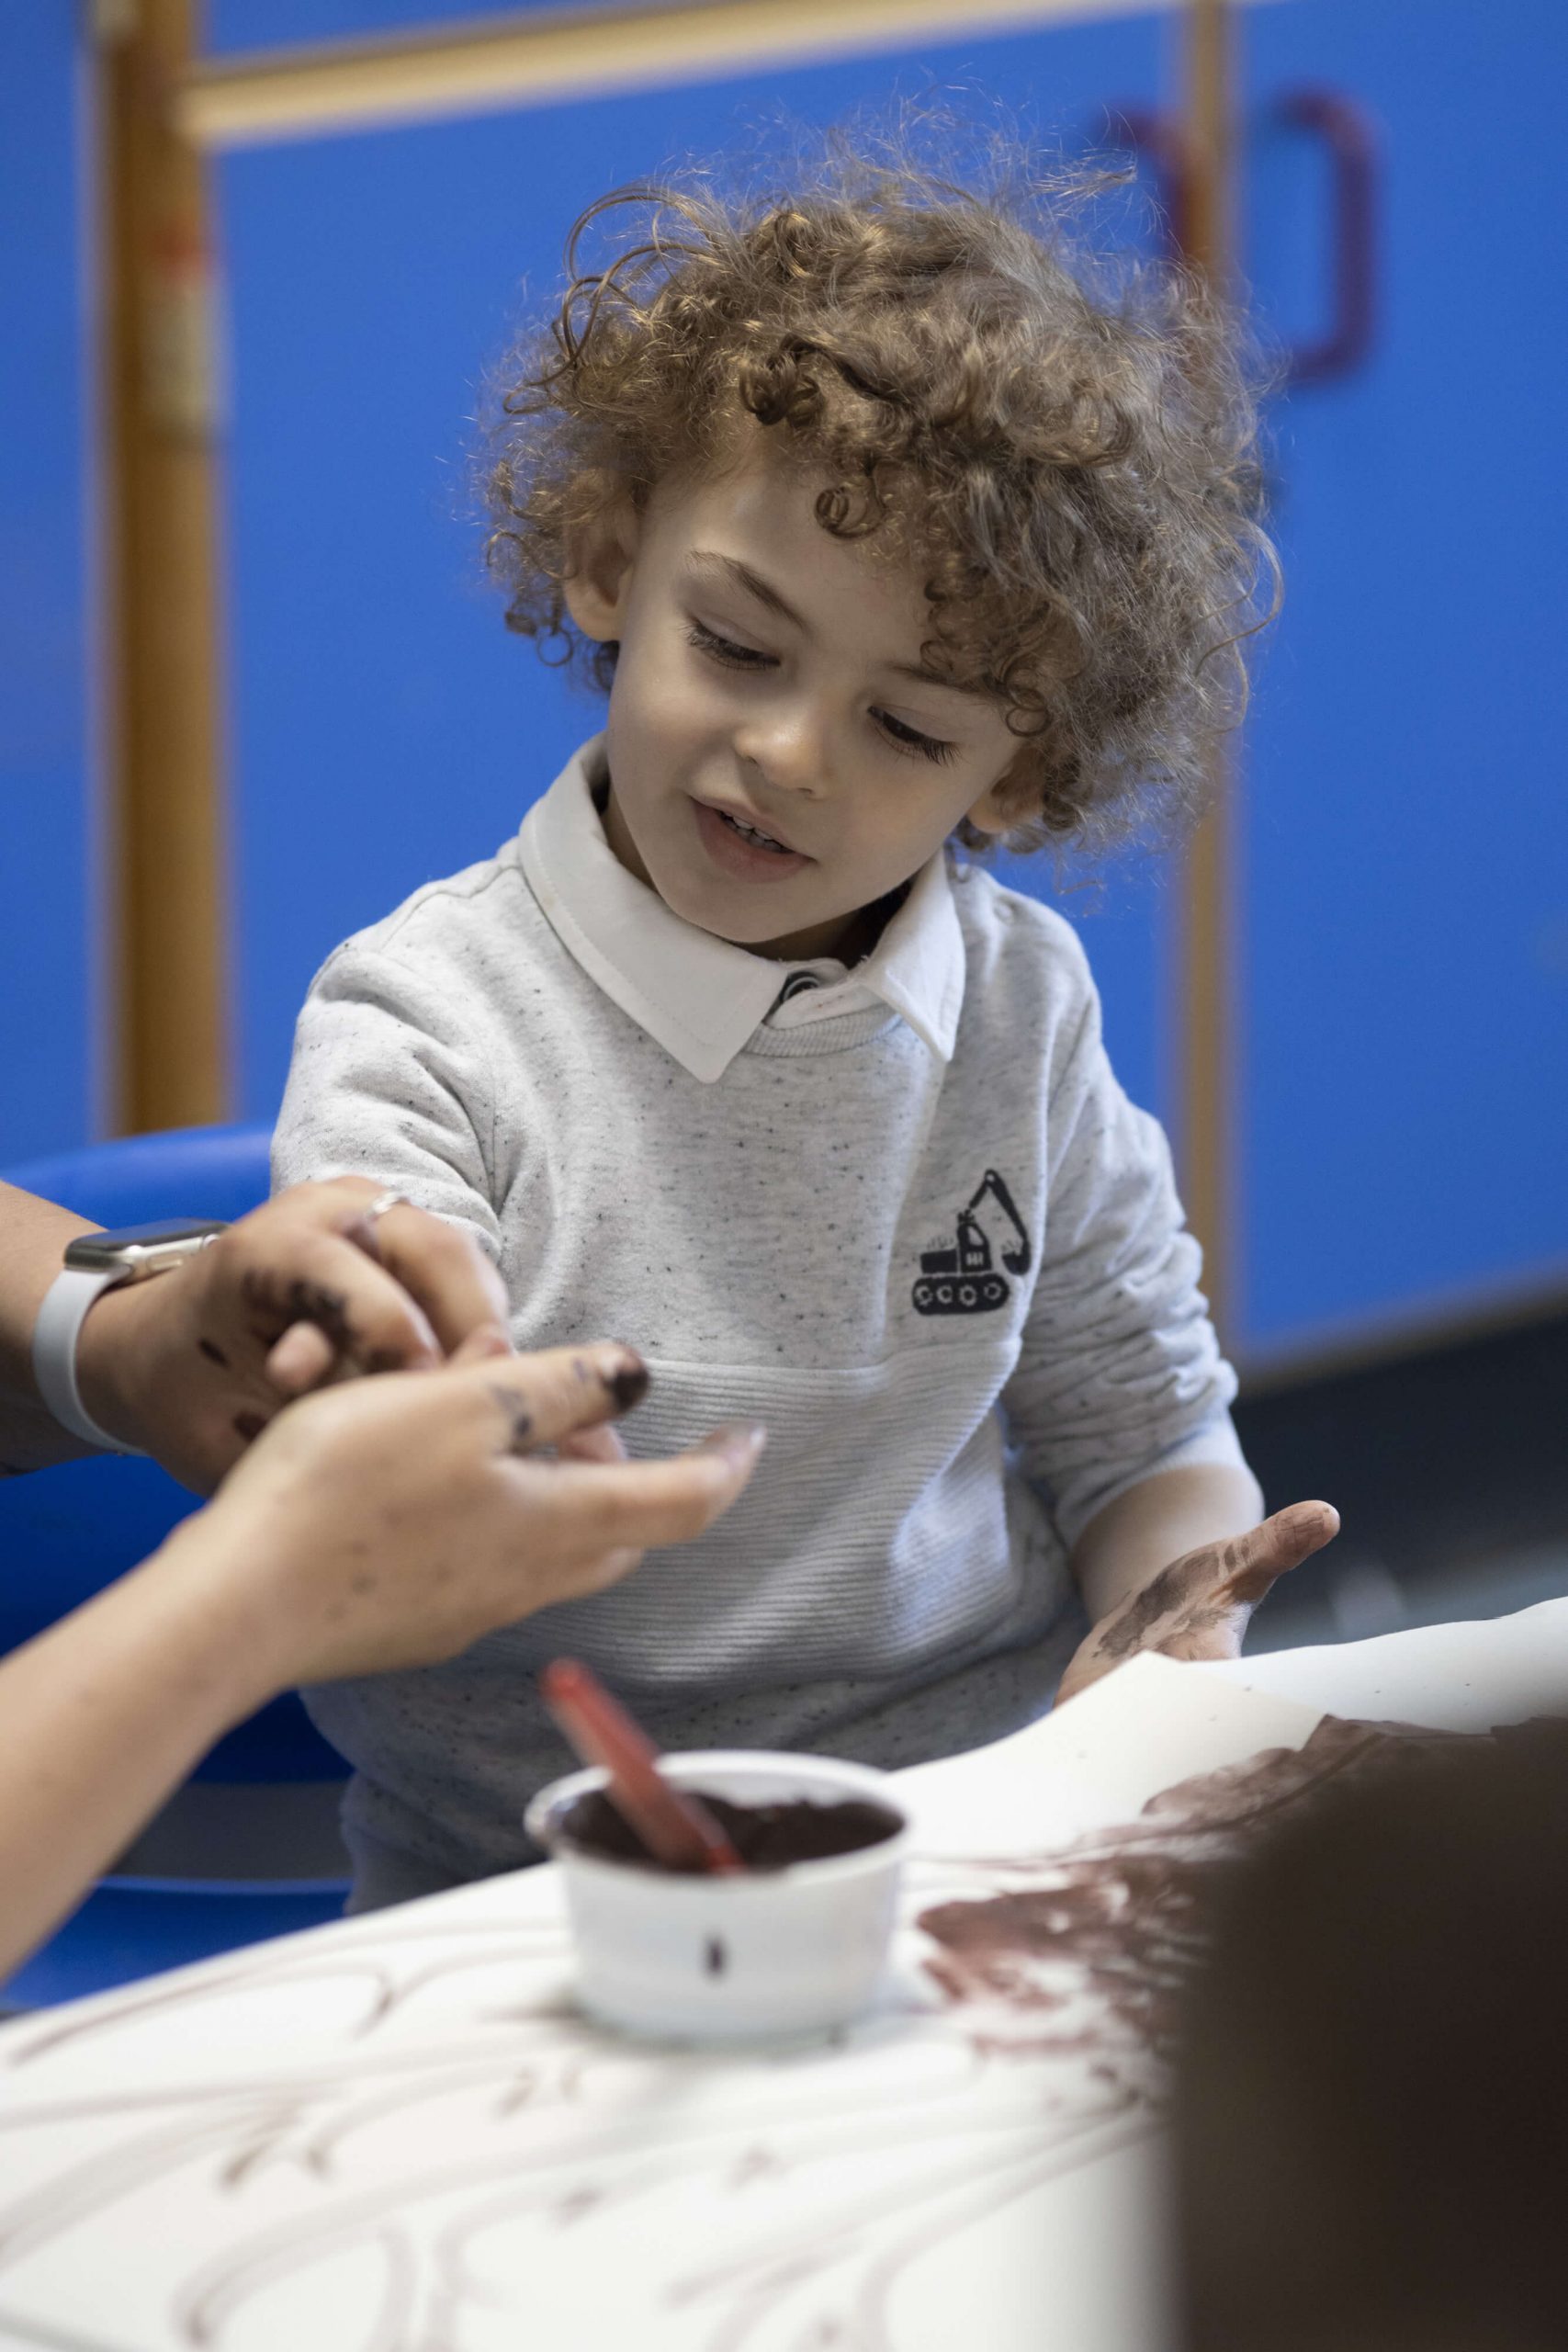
913,1224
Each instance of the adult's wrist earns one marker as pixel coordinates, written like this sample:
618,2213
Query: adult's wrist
212,1586
113,1367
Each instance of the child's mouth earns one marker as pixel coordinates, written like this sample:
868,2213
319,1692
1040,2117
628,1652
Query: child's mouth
750,833
744,851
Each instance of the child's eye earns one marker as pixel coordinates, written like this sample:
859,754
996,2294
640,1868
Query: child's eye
724,648
910,738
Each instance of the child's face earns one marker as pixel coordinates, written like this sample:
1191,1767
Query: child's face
770,677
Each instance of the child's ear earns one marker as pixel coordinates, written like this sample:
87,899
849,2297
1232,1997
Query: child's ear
990,813
597,586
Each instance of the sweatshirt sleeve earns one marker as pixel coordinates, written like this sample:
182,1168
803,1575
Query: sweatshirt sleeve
1119,1373
386,1081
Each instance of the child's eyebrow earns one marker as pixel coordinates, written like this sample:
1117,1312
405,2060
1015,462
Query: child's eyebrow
709,560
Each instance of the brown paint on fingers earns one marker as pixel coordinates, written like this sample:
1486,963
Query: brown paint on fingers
1280,1545
284,1303
628,1384
1170,1594
520,1421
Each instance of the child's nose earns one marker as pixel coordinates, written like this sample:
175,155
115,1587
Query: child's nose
788,746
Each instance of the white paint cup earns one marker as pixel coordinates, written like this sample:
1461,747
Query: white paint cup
730,1957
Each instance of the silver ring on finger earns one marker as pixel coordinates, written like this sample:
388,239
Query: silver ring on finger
370,1217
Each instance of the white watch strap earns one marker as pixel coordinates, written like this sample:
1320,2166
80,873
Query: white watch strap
55,1333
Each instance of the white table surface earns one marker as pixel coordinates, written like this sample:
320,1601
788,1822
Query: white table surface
232,2158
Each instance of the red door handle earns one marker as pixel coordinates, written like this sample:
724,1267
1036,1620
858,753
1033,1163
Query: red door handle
1157,139
1347,131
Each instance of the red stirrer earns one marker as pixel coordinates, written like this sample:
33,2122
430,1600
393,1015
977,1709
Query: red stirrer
678,1830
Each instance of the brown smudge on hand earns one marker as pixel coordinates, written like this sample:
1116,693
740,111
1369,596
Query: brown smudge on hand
519,1420
213,1352
1168,1595
278,1304
1205,1589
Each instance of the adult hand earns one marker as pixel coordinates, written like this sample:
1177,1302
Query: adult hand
383,1523
1199,1605
390,1523
192,1365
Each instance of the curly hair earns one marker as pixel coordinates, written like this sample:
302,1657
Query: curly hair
1064,444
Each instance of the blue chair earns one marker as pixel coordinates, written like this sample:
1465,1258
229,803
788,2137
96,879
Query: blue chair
249,1848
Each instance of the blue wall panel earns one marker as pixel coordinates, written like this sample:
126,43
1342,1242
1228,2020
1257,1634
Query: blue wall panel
1405,1081
388,730
46,1087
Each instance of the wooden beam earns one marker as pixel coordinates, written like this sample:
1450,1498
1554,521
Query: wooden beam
495,63
159,408
1205,989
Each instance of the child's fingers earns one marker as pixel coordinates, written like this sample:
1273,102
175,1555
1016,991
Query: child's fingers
603,1443
1280,1543
300,1361
483,1345
293,1267
590,1508
442,1268
538,1400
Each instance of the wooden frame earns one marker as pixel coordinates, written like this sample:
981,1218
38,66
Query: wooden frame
498,63
1205,990
158,407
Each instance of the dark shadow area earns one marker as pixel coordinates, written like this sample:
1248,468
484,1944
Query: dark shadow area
1449,1470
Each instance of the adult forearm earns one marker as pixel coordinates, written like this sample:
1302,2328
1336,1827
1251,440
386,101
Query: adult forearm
1125,1545
33,1235
102,1717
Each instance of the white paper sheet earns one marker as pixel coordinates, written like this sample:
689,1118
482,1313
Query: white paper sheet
1454,1677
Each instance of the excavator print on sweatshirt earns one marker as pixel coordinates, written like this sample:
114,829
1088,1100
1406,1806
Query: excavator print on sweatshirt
963,1279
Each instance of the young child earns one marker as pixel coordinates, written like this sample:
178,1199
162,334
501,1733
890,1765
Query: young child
881,528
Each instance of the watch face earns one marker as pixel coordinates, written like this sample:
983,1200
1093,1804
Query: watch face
94,1252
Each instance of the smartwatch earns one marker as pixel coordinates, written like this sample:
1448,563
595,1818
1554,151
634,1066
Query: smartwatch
95,1262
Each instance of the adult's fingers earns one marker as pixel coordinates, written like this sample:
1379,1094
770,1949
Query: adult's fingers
587,1508
1269,1552
584,1578
438,1264
538,1399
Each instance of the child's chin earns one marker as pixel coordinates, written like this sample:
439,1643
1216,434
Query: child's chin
730,915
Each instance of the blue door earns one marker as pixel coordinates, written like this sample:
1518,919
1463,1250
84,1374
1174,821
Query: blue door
1404,909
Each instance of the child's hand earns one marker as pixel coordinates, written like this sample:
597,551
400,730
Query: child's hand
1199,1607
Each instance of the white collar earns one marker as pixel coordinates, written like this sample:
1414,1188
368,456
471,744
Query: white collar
698,997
